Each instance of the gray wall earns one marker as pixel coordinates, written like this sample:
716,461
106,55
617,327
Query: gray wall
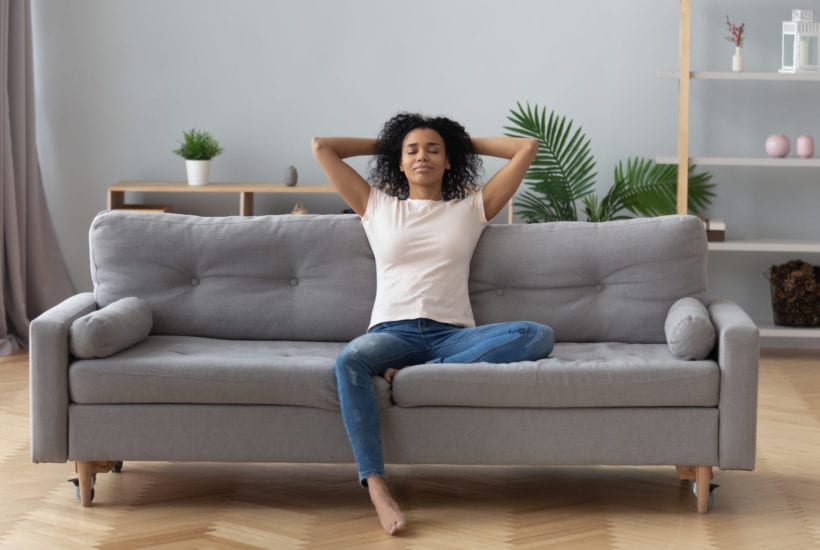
118,80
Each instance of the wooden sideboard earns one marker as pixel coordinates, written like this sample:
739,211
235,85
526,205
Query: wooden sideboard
116,192
246,191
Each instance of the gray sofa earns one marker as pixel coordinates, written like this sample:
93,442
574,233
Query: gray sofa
246,316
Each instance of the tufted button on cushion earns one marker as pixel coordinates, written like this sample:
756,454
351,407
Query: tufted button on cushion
294,282
500,292
194,282
599,287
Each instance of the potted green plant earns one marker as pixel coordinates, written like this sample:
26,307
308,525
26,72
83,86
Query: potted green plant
564,172
198,148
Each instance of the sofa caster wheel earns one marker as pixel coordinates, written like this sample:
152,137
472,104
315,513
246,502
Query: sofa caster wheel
117,467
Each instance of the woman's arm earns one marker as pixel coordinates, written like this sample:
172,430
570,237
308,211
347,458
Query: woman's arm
502,186
330,151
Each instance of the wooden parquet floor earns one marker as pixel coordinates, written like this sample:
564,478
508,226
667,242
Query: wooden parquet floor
204,506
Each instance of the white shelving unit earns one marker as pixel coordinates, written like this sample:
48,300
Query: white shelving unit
797,247
745,161
683,159
725,75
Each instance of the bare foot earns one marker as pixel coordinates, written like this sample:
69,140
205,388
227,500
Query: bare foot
390,515
389,374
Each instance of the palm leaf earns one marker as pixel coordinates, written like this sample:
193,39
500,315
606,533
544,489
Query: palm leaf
563,170
652,187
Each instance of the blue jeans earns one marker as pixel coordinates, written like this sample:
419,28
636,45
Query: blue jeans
398,344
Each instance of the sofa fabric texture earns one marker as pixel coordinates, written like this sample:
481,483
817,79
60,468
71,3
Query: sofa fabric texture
689,330
184,369
278,277
109,330
262,278
249,313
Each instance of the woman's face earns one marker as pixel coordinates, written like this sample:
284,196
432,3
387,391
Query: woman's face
424,159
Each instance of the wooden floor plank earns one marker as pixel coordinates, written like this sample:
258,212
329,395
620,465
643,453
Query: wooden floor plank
215,505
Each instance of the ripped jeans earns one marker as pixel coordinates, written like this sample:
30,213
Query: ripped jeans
397,344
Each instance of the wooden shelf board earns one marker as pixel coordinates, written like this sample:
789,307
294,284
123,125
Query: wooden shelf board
218,187
744,161
777,331
765,246
727,75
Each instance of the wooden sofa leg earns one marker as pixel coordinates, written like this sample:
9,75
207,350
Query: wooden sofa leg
703,478
85,473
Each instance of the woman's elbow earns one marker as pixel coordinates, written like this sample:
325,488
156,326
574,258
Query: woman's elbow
529,149
531,146
316,143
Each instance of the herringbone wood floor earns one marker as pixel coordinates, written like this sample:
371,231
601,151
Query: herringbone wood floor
165,505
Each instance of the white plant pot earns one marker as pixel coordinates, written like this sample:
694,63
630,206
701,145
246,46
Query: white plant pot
198,171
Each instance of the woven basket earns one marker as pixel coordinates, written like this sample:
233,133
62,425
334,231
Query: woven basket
794,288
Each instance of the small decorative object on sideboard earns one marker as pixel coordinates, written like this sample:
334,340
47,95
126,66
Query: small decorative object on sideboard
198,148
805,146
801,43
794,294
299,208
291,176
777,145
736,37
715,230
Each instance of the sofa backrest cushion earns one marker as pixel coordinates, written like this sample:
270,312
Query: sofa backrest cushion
591,282
312,277
294,277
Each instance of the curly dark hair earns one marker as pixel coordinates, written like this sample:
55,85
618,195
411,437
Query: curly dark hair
465,165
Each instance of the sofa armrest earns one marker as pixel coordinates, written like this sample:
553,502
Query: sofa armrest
48,374
738,355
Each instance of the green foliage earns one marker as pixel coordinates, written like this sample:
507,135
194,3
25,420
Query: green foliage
198,145
646,188
562,174
562,171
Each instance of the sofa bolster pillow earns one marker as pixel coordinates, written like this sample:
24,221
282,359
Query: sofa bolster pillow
117,326
689,330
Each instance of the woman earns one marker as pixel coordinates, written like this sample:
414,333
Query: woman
423,218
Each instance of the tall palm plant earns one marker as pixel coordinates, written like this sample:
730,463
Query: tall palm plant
563,173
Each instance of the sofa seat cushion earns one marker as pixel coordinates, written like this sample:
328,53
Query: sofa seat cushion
575,375
186,369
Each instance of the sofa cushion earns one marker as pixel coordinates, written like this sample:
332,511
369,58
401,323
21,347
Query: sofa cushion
689,330
300,277
181,369
113,328
184,369
575,375
590,282
313,277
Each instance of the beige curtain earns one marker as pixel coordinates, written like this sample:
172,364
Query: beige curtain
32,270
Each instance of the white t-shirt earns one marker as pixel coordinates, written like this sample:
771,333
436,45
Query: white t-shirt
423,250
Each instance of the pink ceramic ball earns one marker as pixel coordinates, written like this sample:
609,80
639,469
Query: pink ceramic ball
805,146
777,145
